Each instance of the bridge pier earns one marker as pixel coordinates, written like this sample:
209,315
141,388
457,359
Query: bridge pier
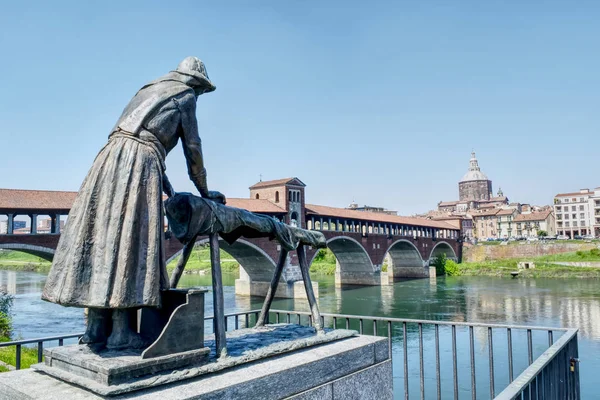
291,285
358,276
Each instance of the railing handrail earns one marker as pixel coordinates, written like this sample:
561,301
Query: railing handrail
332,315
429,322
526,377
44,339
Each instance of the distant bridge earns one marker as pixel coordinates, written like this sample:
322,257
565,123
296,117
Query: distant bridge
359,240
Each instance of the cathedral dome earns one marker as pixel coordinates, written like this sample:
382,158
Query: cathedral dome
474,176
474,173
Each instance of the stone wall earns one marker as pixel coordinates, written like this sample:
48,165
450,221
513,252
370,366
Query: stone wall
496,252
475,190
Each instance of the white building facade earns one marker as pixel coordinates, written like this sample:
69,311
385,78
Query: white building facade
578,213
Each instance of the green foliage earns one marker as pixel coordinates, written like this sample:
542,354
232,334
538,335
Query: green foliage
28,356
324,263
595,252
451,268
6,302
16,260
200,261
580,253
439,262
541,233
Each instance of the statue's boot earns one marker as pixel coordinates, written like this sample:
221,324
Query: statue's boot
98,320
122,336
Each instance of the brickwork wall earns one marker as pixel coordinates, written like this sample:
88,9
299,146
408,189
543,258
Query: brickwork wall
498,252
269,193
475,190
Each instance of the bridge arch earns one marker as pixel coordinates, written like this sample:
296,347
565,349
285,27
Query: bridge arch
406,260
354,266
39,251
443,248
255,261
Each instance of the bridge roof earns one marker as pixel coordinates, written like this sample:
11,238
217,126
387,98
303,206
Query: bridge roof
19,199
53,200
278,182
375,217
255,205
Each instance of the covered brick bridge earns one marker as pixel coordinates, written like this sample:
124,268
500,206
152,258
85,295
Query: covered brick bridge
360,240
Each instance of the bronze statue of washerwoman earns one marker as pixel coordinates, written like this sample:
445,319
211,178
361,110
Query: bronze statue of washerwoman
110,257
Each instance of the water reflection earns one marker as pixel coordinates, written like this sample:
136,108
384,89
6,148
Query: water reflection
548,302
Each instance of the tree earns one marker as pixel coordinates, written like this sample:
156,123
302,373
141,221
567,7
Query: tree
6,301
439,262
541,233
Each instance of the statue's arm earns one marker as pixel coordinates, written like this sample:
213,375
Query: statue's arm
192,145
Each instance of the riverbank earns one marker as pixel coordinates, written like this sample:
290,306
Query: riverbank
18,261
545,266
198,263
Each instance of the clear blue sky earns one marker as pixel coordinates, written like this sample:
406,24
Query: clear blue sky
381,102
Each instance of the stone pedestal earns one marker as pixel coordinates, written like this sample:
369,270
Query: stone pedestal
357,367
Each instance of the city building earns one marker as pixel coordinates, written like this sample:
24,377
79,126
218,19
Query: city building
16,225
505,219
485,224
578,213
356,207
474,192
531,223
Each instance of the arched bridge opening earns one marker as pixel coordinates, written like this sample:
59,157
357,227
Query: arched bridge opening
443,248
45,253
254,262
353,265
405,261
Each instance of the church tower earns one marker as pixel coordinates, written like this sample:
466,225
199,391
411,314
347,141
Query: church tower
474,185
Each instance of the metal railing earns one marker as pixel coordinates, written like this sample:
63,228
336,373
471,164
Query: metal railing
552,375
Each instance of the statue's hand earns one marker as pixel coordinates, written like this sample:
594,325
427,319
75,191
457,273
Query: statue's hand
217,197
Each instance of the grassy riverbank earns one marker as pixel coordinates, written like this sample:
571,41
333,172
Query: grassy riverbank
8,356
544,266
198,263
18,261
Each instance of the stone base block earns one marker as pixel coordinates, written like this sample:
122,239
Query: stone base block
411,272
117,366
357,278
358,367
285,290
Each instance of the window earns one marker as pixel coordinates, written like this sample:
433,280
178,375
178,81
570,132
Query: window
574,224
573,216
582,215
566,224
566,216
277,197
558,208
574,200
581,199
565,200
581,208
582,223
573,208
257,196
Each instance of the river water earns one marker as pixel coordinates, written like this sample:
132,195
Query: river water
547,302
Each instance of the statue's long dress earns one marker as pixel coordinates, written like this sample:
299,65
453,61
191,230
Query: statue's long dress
110,254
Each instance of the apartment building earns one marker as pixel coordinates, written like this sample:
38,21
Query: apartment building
578,213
